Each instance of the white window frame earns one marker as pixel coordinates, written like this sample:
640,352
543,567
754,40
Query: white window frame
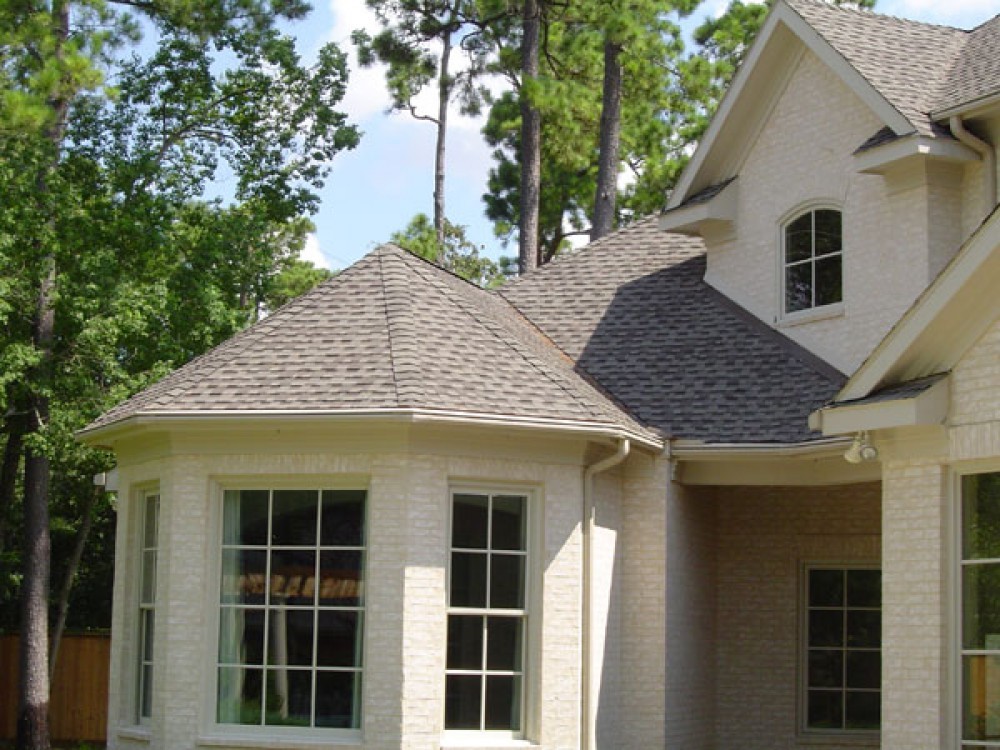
814,311
531,613
145,606
267,735
804,729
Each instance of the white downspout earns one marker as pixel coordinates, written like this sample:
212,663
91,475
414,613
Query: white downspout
588,707
989,158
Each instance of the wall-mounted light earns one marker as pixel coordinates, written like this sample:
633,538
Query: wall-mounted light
861,449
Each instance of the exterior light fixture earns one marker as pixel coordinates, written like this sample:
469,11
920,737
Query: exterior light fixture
861,449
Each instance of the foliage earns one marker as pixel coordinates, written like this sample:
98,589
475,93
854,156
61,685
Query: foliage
295,278
459,255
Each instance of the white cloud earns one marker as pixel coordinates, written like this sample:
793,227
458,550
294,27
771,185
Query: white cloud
312,253
366,95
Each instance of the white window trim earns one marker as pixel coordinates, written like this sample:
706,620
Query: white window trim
531,651
260,736
142,494
806,733
820,312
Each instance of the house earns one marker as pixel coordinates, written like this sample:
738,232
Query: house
727,478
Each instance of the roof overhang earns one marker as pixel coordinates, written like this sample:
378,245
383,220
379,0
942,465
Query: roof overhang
755,89
719,212
983,106
107,435
928,407
902,151
945,321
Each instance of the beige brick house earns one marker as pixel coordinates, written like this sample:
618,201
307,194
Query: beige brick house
727,478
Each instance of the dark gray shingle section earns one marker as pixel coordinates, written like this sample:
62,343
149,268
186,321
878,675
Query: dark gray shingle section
704,195
975,73
898,392
634,312
906,61
390,332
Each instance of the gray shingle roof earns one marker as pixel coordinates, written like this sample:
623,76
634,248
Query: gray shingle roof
897,392
907,61
390,332
975,73
634,312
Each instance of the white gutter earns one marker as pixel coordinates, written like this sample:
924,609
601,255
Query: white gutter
687,450
588,709
989,158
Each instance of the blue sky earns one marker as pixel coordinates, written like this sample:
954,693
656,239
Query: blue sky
375,189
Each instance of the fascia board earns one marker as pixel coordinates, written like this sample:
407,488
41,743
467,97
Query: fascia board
972,108
971,275
879,159
782,14
927,408
720,209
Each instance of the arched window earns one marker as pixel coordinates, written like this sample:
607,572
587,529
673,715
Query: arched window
812,260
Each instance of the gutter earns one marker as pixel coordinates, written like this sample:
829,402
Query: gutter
989,158
588,708
688,450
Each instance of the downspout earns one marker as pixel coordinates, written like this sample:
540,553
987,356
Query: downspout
983,149
588,707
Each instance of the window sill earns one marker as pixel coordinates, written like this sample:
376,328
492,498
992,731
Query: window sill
139,734
278,742
811,316
476,740
868,739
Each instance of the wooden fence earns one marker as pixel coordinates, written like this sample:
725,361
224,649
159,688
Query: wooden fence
78,708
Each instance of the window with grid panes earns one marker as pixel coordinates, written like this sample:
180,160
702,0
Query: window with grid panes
843,648
812,260
487,612
149,505
291,616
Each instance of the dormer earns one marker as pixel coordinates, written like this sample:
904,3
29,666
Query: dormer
827,189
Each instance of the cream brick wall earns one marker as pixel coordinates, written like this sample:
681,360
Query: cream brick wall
804,156
765,535
406,588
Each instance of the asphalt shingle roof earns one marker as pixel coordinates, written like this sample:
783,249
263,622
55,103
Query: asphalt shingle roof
975,73
390,332
634,312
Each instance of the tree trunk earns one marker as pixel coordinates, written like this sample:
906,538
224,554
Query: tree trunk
62,606
444,95
607,167
531,141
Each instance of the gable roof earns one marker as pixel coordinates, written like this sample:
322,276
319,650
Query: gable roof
634,312
390,334
975,73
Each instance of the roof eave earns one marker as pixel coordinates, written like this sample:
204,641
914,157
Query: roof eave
927,408
880,159
973,108
719,211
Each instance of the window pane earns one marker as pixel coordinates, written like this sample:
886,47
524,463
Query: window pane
503,702
503,635
342,520
981,606
245,517
241,636
341,578
828,280
981,691
798,239
981,516
148,595
289,698
864,588
293,577
462,701
150,514
507,582
826,588
508,522
338,698
828,233
798,287
291,639
470,520
862,711
243,574
468,579
826,668
239,696
293,522
826,627
147,617
864,669
864,629
465,642
825,709
339,639
146,699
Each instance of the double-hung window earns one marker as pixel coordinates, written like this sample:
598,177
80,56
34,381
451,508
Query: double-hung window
980,645
149,513
812,260
487,612
843,639
291,608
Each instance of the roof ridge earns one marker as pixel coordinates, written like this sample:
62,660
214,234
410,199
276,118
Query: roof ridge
388,326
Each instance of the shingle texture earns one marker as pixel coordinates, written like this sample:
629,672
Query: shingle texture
975,73
391,332
634,312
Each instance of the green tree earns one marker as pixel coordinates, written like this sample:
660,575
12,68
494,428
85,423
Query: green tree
97,182
295,278
457,254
